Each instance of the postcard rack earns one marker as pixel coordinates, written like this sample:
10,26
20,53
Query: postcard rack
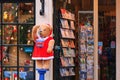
86,45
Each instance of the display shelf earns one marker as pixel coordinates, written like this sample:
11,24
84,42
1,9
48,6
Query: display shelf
86,45
66,42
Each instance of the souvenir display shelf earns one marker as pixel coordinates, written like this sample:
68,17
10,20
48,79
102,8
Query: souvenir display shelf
86,45
66,42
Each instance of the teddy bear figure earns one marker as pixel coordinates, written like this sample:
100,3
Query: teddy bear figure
44,43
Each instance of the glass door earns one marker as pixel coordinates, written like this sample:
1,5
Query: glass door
107,39
16,21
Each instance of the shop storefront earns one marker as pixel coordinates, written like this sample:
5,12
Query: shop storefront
86,34
93,23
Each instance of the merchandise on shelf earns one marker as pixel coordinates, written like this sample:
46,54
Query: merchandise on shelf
86,46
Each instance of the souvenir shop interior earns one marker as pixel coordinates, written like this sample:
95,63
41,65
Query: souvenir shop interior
74,40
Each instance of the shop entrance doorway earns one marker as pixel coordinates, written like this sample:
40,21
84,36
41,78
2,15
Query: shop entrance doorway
16,21
107,39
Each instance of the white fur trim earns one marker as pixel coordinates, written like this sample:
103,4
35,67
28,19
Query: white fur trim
42,58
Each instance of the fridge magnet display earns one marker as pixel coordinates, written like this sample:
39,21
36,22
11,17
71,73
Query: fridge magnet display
83,28
90,28
90,67
83,48
83,75
82,41
90,42
83,67
86,46
90,74
83,36
82,60
90,60
90,49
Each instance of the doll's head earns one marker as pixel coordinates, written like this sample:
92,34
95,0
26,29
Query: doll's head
41,31
44,30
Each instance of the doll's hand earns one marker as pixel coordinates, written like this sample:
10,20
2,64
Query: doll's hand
49,50
50,46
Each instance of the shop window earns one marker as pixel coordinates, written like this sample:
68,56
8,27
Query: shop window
25,31
16,45
9,12
26,13
0,13
10,73
9,34
10,56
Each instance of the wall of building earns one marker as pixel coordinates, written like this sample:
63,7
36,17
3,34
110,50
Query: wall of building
95,8
47,18
117,40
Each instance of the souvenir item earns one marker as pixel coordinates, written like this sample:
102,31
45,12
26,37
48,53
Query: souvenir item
67,39
86,49
71,71
72,26
83,67
64,23
43,48
90,60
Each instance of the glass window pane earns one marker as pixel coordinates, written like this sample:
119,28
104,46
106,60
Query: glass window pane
26,13
9,73
10,56
26,75
0,12
0,47
10,12
25,34
25,56
0,35
9,35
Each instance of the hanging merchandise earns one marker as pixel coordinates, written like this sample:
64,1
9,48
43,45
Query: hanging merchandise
86,46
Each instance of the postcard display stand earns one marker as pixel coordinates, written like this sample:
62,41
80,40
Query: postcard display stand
86,45
67,44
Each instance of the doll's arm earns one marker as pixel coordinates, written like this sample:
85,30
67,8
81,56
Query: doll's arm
50,45
34,30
